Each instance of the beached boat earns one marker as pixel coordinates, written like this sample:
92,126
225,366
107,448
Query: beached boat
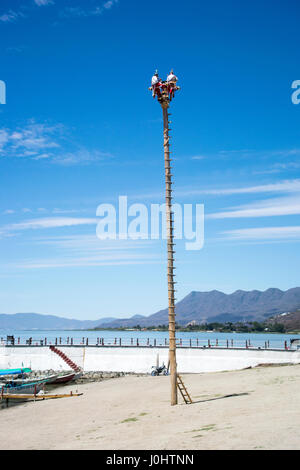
24,385
31,388
43,378
62,379
22,370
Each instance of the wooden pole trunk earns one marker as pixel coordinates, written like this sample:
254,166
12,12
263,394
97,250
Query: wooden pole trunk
170,247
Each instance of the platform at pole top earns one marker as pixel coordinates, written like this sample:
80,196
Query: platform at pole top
164,92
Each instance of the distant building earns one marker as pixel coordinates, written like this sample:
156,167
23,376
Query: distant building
192,323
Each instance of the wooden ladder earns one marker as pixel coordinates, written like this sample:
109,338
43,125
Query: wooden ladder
183,390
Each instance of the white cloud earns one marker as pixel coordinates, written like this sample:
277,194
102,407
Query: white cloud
73,12
88,250
87,243
67,12
266,208
30,140
281,186
8,212
264,233
197,157
11,16
82,156
42,156
41,141
43,2
48,222
80,12
257,154
121,260
286,186
109,4
4,137
279,168
57,210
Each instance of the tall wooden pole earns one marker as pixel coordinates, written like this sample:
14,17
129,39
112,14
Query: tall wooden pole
165,93
170,246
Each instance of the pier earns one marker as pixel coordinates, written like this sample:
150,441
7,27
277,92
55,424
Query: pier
117,355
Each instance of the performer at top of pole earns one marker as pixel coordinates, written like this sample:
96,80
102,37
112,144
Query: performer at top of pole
164,90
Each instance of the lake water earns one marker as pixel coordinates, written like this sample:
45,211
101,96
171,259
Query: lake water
158,338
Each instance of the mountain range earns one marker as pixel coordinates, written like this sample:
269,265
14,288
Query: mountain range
198,307
35,321
215,306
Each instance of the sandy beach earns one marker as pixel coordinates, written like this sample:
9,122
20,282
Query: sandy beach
250,409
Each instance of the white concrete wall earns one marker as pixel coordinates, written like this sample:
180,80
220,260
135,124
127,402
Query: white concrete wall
122,359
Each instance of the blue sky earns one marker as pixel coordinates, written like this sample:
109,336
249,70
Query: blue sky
80,128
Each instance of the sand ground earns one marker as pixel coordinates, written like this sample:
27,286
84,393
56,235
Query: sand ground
250,409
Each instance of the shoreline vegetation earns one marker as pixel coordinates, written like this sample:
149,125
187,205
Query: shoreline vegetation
215,327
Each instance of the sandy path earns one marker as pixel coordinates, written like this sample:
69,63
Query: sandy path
249,409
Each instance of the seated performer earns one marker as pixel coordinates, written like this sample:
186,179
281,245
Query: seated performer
171,81
155,84
172,78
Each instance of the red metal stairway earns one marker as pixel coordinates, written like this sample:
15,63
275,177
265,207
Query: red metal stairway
65,358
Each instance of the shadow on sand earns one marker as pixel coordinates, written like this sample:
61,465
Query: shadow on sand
221,398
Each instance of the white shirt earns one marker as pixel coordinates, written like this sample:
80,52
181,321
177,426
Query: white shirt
172,78
154,80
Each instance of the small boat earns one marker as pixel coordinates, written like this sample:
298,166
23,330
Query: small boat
62,379
22,370
45,379
23,389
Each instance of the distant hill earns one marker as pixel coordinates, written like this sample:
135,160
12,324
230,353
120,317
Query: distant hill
291,320
215,306
31,321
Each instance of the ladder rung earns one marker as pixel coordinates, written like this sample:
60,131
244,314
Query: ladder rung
185,395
